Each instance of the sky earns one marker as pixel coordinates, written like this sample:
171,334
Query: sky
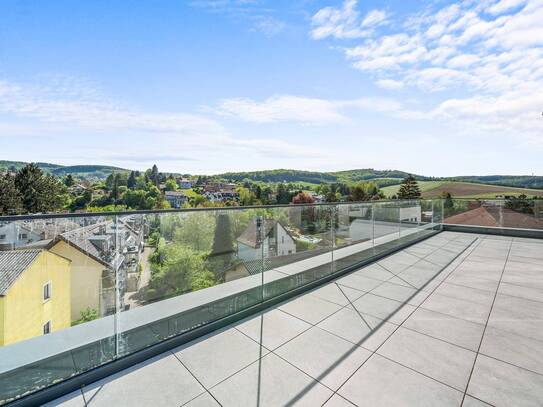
438,88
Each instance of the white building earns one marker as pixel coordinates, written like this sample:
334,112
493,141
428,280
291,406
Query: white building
274,240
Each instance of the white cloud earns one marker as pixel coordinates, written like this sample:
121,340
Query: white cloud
374,17
389,84
491,52
345,22
303,110
505,5
283,108
67,107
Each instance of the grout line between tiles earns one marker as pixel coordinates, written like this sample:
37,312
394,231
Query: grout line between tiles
486,324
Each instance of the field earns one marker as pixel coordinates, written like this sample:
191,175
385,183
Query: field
434,189
423,185
470,190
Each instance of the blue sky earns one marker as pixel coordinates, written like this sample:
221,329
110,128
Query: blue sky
435,88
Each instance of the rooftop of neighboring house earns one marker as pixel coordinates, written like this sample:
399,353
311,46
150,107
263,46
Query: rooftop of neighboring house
494,216
12,264
249,236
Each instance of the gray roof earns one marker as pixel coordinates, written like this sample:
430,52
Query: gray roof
12,264
249,236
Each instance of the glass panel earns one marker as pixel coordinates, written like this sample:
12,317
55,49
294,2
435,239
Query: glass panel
410,213
74,257
353,232
512,212
297,246
184,270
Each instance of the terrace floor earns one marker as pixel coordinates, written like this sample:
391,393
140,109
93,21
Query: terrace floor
453,320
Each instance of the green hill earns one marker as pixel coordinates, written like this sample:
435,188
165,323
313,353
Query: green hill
79,171
386,179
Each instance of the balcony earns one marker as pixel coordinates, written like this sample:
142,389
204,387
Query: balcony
384,303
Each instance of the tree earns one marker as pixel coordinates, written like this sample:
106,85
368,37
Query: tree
69,180
223,241
131,182
283,194
447,200
177,269
302,198
246,197
358,193
11,200
40,192
155,178
171,185
409,189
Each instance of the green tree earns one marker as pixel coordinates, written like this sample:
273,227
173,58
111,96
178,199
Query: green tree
131,182
11,200
69,180
179,271
246,197
358,193
40,192
223,240
171,185
447,200
81,201
409,189
154,176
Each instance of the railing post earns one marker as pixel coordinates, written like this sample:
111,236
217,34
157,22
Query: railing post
333,213
373,225
260,237
116,268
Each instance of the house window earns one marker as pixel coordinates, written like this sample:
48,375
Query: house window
2,237
23,236
47,291
47,328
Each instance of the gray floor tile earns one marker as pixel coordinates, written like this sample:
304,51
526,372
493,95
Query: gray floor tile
203,400
467,280
310,308
525,275
270,382
340,295
442,361
504,385
442,326
216,356
272,328
348,324
517,315
323,356
515,349
462,309
359,282
398,292
466,293
74,399
473,402
160,381
337,401
381,382
374,271
383,308
529,293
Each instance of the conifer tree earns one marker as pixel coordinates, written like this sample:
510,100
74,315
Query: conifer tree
409,189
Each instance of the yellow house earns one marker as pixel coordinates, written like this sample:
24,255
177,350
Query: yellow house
34,294
87,271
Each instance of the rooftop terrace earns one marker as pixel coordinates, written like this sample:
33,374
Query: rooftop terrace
398,303
454,320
